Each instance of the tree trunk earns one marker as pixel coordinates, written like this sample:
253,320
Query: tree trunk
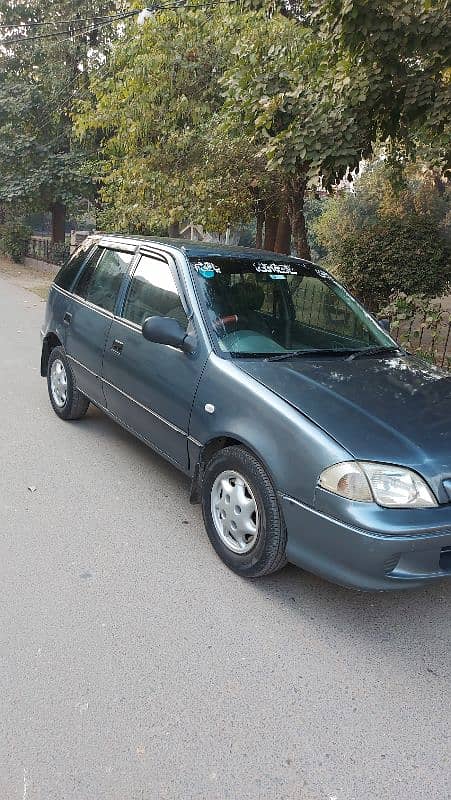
283,235
58,210
271,222
260,218
296,196
174,229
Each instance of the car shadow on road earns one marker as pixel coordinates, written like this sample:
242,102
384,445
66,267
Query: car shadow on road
97,423
414,619
411,624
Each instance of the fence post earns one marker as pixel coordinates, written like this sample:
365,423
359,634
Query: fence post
445,347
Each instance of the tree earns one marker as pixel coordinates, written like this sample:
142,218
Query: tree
305,114
163,156
215,114
316,86
172,148
404,48
43,68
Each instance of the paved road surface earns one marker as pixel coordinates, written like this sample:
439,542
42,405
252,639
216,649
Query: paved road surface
134,666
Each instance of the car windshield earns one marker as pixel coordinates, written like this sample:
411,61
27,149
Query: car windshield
282,308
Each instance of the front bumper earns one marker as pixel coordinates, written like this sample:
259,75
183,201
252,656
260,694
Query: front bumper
364,559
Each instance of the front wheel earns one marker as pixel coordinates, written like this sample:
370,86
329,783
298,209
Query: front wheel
241,514
67,401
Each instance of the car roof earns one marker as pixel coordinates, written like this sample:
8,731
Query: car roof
199,249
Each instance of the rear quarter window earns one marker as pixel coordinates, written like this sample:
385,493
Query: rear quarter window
102,276
69,271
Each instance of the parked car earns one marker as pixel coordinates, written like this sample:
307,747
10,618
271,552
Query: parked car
309,435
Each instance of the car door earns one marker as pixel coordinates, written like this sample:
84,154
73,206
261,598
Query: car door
150,387
89,317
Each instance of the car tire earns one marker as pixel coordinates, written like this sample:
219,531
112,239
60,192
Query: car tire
242,515
67,401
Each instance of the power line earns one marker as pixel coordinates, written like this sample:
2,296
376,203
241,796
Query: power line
103,67
66,33
178,6
67,22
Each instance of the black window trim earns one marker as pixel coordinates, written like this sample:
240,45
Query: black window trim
165,258
89,245
126,249
92,254
145,249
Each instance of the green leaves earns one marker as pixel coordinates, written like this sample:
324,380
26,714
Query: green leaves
40,160
14,240
296,101
404,49
203,112
382,238
165,154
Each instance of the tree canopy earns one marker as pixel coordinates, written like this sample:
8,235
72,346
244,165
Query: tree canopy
164,156
43,68
220,112
405,49
210,114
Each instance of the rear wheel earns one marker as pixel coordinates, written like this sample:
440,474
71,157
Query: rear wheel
67,401
241,513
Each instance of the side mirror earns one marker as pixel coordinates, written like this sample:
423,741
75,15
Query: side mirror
385,324
166,330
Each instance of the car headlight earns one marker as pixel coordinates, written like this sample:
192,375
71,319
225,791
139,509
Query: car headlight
389,486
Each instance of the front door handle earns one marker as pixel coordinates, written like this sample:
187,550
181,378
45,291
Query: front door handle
117,346
67,318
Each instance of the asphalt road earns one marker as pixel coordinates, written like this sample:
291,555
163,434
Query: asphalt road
135,666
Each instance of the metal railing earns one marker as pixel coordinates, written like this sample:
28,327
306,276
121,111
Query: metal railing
427,335
43,249
39,247
431,340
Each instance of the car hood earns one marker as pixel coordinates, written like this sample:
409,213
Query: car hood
395,409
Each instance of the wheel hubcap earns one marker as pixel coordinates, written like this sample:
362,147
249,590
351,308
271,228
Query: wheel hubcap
234,511
58,382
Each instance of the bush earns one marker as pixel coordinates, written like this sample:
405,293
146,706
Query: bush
313,210
394,255
382,239
58,253
15,239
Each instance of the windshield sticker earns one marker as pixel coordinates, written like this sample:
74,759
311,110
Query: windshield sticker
278,269
275,277
206,268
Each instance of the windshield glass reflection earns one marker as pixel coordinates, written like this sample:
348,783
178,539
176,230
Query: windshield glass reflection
269,308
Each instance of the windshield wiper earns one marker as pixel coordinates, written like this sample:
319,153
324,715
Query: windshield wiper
243,354
314,352
373,351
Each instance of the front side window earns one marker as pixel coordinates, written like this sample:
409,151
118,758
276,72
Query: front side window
69,271
269,308
102,278
153,292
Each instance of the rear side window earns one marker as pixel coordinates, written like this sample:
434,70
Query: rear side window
71,268
102,278
153,293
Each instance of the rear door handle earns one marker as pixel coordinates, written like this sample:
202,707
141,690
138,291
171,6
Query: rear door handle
117,346
67,318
